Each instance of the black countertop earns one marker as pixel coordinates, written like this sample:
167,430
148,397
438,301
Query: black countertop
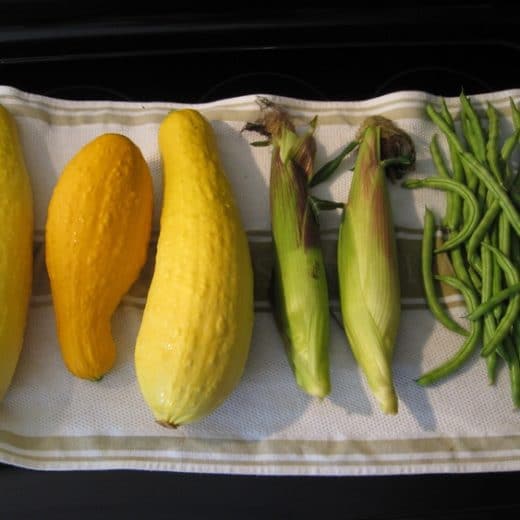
134,494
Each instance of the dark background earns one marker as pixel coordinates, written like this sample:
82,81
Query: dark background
109,50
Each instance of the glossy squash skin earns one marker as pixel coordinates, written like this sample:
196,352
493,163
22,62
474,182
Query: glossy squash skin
196,330
16,248
97,236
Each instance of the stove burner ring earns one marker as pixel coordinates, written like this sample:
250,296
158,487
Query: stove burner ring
263,82
92,92
429,78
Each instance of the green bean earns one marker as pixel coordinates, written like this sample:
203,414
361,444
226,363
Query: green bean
453,186
445,127
515,257
476,264
475,278
457,169
509,146
497,273
470,343
487,277
459,266
513,308
442,170
491,366
458,175
509,267
492,360
493,186
504,235
479,144
514,375
515,113
468,134
503,242
490,200
489,318
471,179
438,160
482,228
495,316
482,193
427,275
449,132
445,113
493,301
492,156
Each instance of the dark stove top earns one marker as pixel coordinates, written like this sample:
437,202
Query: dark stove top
339,72
150,54
309,53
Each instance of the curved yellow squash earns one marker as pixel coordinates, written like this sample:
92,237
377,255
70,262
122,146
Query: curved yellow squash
16,248
97,234
196,330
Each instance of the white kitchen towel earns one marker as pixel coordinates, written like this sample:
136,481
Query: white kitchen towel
51,420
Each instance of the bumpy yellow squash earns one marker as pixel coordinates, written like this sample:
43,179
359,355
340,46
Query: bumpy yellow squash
197,324
16,253
97,234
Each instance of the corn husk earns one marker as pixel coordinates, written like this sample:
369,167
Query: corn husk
367,262
299,289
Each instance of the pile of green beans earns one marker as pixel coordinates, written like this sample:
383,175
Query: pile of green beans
481,227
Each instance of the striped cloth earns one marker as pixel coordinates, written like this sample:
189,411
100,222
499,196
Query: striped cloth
51,420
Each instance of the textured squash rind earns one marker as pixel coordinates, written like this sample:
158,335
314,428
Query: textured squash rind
16,248
97,234
197,325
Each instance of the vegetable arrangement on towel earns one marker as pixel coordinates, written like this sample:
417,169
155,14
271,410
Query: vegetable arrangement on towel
99,225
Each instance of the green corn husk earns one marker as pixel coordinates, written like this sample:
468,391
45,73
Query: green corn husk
367,262
300,292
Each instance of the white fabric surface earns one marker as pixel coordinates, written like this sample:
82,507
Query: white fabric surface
51,420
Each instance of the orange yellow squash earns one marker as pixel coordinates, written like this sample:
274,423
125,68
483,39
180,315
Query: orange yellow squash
97,235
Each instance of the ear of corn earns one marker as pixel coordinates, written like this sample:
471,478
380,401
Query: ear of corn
300,293
367,264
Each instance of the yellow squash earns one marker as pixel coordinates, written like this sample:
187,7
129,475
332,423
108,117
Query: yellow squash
16,253
97,235
197,324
